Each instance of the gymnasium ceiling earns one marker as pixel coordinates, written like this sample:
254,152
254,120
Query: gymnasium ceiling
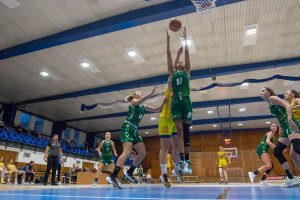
30,43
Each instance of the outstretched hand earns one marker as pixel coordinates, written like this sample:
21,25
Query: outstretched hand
180,50
153,90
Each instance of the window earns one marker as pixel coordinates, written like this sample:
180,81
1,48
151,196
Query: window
39,124
24,120
67,133
76,136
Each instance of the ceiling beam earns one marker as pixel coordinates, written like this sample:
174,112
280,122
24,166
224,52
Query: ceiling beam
207,121
195,75
196,105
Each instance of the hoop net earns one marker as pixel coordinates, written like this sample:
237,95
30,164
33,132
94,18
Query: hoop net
203,6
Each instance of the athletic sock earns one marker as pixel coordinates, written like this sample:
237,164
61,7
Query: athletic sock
163,168
115,172
187,156
263,178
289,173
256,172
131,170
96,180
182,156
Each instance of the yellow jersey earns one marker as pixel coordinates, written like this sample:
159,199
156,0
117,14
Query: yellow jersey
296,113
11,167
166,111
1,165
222,155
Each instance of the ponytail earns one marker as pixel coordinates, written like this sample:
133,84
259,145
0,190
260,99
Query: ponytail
129,98
296,94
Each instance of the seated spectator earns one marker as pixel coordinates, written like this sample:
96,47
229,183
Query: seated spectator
3,170
87,169
74,169
12,169
35,133
1,123
29,172
19,128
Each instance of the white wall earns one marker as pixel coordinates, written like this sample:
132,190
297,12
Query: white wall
17,117
47,127
38,157
82,137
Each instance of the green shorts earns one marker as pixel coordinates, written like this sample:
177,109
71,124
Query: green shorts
285,131
107,159
130,134
181,108
262,148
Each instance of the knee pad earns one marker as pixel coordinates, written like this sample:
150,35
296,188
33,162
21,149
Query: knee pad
296,145
278,152
269,170
186,135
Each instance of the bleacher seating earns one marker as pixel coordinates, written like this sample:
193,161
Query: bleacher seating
10,135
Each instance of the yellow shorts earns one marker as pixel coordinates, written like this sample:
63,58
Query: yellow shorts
222,163
166,127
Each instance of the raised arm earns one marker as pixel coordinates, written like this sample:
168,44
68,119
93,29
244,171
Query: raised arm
268,140
186,52
180,50
136,102
169,56
155,109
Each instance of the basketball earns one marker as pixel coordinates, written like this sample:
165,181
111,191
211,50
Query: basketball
175,25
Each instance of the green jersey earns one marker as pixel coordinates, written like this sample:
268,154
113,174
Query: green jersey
107,148
135,114
180,84
280,113
264,141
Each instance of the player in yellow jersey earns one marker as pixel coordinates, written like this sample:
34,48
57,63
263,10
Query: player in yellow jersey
13,169
292,96
167,132
222,165
3,170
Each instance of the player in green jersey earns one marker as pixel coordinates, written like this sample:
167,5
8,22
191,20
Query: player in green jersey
130,136
262,152
181,105
281,109
107,151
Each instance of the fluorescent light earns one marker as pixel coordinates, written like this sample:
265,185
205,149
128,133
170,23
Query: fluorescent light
210,112
85,65
131,53
268,122
240,124
188,42
242,109
44,73
245,84
11,3
146,132
214,125
191,127
153,118
251,31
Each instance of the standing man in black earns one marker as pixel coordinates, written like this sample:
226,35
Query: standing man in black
53,150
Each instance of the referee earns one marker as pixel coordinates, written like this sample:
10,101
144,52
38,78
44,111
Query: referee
53,150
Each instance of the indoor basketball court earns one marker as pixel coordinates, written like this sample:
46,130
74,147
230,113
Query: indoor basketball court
149,99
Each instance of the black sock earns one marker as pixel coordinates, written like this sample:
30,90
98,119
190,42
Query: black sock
256,172
289,173
96,180
182,156
131,170
115,172
264,177
187,156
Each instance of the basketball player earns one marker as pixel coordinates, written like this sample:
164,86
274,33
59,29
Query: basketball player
108,151
222,165
181,105
283,112
262,152
167,132
292,96
130,136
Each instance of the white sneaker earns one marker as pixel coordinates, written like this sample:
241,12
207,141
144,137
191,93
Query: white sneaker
251,176
263,183
290,182
16,183
24,183
94,184
184,167
32,183
59,183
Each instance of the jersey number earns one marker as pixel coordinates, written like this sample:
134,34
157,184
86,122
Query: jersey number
179,81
